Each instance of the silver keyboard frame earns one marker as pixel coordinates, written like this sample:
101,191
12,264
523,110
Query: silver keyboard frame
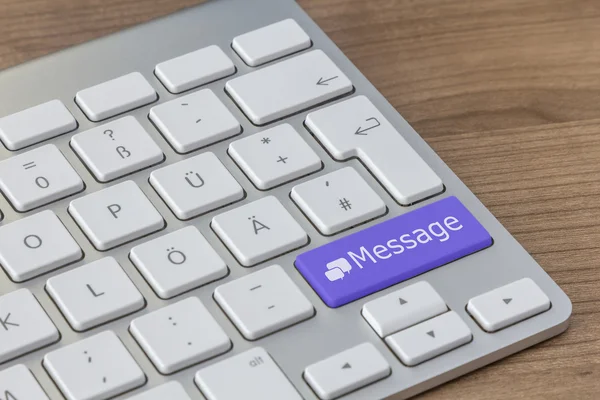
330,331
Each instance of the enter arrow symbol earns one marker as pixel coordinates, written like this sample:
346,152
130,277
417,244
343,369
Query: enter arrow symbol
361,131
506,301
323,82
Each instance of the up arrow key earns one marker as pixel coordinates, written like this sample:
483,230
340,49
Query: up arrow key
346,366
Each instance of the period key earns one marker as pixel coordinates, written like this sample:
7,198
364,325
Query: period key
392,251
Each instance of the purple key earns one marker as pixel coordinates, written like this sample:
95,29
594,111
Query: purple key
393,251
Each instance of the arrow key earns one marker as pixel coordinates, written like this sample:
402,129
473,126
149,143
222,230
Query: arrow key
347,371
508,305
429,339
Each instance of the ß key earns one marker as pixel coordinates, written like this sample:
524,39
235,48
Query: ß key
38,177
274,156
178,262
355,128
180,335
117,148
196,185
94,294
96,368
259,230
24,325
263,302
37,244
251,375
393,251
338,200
115,215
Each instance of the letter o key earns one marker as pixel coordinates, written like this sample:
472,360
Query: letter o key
32,241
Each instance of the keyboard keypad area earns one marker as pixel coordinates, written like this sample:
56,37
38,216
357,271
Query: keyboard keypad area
246,223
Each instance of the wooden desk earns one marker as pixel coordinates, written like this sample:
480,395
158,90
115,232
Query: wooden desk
506,91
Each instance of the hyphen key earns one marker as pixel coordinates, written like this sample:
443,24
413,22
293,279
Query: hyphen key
393,251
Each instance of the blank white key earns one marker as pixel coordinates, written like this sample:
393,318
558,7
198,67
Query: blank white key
24,325
177,262
338,200
508,304
250,375
38,177
194,69
258,231
263,302
34,245
196,185
167,391
94,294
271,42
430,338
194,121
347,371
115,215
274,156
287,87
355,128
35,124
116,149
18,383
403,308
96,368
115,96
179,335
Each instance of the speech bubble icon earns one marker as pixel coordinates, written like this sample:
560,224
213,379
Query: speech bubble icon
340,263
334,274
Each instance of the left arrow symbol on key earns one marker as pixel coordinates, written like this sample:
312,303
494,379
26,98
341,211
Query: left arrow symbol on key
93,292
323,82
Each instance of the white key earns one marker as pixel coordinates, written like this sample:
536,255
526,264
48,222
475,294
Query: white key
24,325
196,185
258,231
167,391
271,42
35,124
36,244
115,96
194,121
355,128
508,305
117,148
338,200
94,294
179,335
274,156
347,371
115,215
403,308
250,375
429,339
18,383
96,368
287,87
178,262
263,302
194,69
38,177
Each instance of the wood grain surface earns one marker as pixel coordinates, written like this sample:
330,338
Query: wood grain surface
506,91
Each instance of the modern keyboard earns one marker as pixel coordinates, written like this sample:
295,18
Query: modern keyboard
217,204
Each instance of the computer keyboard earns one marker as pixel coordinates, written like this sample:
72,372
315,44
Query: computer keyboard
217,204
